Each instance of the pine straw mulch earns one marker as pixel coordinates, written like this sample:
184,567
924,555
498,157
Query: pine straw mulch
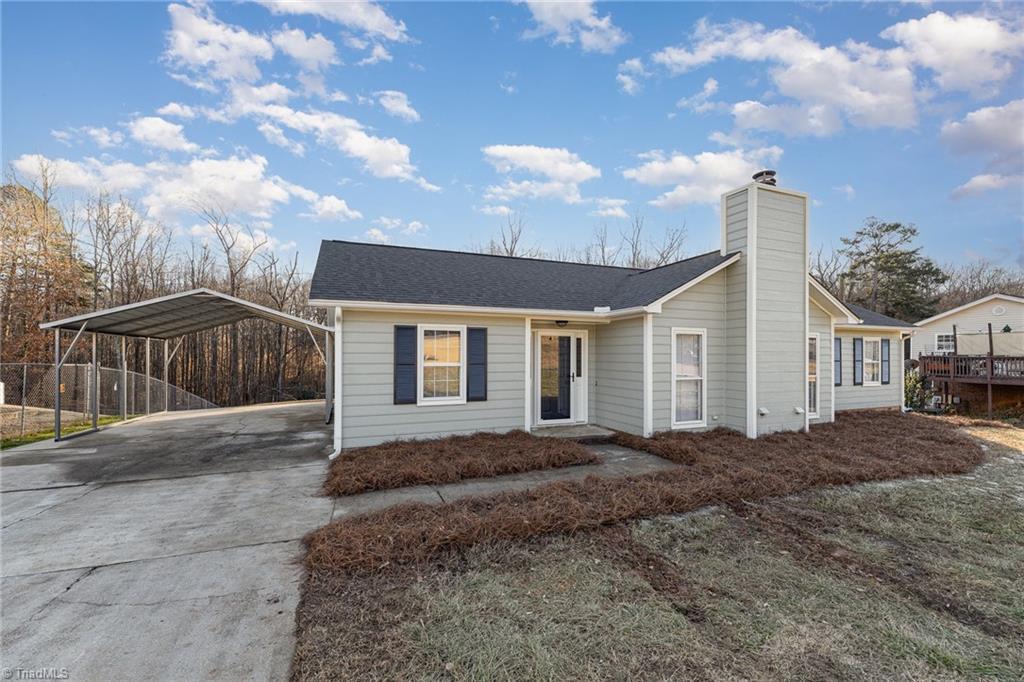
401,463
720,467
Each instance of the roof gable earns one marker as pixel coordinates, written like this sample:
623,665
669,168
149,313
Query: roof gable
967,306
356,271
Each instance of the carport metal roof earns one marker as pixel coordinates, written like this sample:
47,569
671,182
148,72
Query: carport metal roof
168,317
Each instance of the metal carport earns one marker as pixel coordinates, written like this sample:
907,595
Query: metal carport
166,318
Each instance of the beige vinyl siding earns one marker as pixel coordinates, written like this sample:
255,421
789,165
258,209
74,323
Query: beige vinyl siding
369,415
619,400
734,405
820,322
850,397
780,267
702,306
592,370
973,320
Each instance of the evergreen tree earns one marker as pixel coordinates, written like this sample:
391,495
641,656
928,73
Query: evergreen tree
888,274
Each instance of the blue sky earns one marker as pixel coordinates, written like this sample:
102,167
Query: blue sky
421,123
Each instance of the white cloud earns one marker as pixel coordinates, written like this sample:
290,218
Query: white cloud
274,135
367,17
378,54
330,207
413,227
154,131
177,110
237,185
575,21
629,75
201,43
496,210
997,132
702,178
988,182
819,120
870,87
65,137
382,157
561,173
375,234
104,137
966,52
847,191
311,52
195,83
396,103
701,101
610,208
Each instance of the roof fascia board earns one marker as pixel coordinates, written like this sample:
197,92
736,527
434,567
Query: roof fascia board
536,313
655,306
965,306
874,328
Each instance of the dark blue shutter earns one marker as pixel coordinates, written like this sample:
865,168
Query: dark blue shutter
837,361
885,361
858,362
476,359
405,364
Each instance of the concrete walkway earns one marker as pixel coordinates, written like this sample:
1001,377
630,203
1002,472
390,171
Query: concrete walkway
166,548
615,461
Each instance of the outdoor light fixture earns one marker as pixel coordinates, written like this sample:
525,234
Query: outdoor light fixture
561,323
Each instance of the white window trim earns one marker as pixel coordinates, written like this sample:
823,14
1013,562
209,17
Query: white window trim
463,342
817,375
937,350
703,422
864,360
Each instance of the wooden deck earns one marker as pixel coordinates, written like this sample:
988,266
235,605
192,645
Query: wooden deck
974,369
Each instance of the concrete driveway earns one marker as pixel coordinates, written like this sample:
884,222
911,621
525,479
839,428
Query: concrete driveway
166,548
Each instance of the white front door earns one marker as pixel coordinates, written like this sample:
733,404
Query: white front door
560,376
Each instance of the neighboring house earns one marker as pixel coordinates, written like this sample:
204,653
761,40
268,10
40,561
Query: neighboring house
934,335
429,342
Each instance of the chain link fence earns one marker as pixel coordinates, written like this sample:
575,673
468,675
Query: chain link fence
27,402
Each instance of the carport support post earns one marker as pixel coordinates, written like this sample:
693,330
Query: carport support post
147,376
95,386
56,385
167,391
124,379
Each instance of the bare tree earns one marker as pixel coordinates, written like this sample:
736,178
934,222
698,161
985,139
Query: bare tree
828,268
633,243
977,279
509,241
670,249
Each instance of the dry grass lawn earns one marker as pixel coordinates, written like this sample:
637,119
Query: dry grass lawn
911,579
445,460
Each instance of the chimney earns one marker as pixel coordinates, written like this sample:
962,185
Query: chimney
765,177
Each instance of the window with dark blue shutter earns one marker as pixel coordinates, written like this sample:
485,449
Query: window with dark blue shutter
476,359
858,362
405,365
885,361
837,361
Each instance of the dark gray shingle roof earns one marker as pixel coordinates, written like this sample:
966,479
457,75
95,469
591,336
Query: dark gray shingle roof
355,271
874,319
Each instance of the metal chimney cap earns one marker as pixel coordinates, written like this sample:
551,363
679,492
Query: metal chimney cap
765,177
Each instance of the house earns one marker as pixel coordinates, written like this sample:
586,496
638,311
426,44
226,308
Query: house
973,355
934,335
429,342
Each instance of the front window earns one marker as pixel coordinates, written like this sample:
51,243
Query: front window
872,362
812,375
688,362
944,343
442,353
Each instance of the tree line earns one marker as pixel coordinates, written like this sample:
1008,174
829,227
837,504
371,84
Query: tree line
880,266
56,262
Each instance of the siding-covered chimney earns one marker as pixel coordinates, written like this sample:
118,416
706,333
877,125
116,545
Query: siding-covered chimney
766,306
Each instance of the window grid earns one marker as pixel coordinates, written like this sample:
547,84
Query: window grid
688,378
442,364
872,362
